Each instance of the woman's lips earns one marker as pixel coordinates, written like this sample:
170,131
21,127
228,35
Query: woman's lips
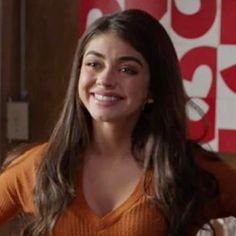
107,98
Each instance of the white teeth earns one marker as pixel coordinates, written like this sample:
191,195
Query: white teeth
105,98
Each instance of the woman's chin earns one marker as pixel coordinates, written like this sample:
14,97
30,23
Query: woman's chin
104,118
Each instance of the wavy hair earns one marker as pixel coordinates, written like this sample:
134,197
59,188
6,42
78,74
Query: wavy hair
162,125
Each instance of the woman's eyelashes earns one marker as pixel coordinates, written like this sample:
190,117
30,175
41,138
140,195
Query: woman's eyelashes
93,65
128,70
123,69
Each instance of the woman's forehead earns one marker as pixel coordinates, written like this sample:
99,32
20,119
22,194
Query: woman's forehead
111,42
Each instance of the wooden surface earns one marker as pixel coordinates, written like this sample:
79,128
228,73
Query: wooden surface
51,37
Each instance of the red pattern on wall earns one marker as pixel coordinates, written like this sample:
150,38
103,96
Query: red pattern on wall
204,35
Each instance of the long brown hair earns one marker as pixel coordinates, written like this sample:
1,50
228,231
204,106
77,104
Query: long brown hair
176,175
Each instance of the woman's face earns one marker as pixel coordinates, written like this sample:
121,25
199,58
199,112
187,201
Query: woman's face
114,79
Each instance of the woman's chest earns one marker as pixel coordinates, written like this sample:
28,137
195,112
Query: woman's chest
136,218
137,215
106,187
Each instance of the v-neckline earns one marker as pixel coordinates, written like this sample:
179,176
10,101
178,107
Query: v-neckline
112,216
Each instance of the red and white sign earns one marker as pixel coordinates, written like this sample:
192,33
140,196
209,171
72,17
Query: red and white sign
204,35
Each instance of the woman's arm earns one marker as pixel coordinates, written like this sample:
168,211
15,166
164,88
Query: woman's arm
17,183
9,201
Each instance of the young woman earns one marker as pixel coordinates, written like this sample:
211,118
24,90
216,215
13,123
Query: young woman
120,161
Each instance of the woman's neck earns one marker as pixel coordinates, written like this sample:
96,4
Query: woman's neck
111,140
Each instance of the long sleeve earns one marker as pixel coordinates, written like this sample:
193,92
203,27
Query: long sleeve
17,183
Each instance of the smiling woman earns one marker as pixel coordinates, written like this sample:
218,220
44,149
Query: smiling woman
119,161
112,72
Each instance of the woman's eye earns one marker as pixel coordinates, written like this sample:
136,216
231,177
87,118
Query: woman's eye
93,65
128,70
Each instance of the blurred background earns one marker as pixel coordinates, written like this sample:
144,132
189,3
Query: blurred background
37,42
38,39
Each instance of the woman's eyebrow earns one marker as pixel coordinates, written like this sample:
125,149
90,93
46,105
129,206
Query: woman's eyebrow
120,59
95,53
130,58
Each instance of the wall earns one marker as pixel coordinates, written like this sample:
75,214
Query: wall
9,62
52,31
51,36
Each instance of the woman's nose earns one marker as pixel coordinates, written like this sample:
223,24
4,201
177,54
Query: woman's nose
106,78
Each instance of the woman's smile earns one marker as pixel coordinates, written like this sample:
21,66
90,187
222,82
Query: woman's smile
114,78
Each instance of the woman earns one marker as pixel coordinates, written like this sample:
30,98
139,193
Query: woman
119,161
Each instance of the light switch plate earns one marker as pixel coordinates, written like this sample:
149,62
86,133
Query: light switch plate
17,120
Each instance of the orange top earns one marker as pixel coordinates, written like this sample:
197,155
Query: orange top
136,216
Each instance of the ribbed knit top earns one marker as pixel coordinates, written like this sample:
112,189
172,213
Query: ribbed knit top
136,216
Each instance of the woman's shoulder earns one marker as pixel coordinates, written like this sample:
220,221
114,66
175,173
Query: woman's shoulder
225,174
212,162
17,181
29,157
216,165
25,163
